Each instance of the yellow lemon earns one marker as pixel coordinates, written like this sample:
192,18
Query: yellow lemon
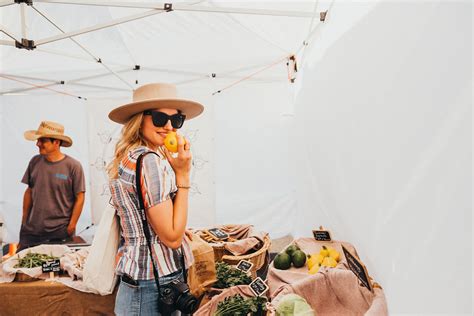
171,142
329,262
312,260
324,252
334,254
314,269
320,258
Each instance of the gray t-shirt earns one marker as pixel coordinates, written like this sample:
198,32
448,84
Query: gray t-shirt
54,186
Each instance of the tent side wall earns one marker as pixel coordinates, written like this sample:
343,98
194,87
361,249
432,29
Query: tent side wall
384,122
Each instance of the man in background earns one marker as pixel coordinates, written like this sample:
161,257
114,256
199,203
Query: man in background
53,201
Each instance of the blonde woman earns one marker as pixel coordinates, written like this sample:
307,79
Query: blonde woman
154,112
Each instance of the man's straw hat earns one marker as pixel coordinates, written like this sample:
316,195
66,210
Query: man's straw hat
50,130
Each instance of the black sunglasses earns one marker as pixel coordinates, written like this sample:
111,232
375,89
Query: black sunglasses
160,119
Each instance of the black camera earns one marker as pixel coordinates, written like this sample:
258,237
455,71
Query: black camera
176,296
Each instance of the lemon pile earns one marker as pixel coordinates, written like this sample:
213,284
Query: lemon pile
327,256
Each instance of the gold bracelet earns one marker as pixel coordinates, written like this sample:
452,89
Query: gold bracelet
183,187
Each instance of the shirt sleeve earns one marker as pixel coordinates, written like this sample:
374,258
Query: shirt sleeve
153,180
27,176
78,181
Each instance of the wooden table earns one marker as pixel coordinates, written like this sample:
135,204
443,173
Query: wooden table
51,298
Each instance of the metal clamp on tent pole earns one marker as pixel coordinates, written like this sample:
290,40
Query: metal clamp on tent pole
168,7
28,2
292,68
322,16
25,44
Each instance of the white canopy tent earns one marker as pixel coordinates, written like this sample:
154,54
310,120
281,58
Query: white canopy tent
372,139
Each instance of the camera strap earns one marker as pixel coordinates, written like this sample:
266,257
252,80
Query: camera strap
146,231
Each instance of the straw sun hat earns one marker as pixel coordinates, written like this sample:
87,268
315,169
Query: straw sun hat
50,130
154,96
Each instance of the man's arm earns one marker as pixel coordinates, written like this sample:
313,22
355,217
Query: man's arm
76,212
26,205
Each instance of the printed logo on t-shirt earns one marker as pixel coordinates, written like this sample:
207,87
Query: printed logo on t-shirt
61,176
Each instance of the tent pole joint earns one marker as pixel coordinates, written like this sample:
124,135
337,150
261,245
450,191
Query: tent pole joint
322,16
25,44
27,2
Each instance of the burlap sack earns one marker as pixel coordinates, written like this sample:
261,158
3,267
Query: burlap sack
202,274
334,292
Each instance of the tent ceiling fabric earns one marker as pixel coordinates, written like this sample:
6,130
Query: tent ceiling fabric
179,46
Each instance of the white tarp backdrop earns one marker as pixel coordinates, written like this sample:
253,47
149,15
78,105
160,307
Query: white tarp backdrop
383,119
373,140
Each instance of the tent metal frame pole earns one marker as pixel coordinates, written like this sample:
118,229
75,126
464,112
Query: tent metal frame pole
96,87
56,82
66,81
97,76
30,78
184,7
296,14
28,89
74,56
5,3
23,20
96,27
86,50
7,43
8,33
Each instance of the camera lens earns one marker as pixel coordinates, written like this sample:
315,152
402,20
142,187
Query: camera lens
187,303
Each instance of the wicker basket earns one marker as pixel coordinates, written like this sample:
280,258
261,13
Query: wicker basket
258,258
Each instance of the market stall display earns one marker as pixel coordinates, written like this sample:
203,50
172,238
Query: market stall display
325,280
310,276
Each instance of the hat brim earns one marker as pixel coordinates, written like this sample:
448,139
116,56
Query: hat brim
123,113
34,136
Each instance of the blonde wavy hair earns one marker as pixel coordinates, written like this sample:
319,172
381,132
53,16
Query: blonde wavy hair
130,139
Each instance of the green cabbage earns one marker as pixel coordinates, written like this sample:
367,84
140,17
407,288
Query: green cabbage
294,305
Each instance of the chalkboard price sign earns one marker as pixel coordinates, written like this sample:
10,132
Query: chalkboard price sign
244,266
219,234
258,287
51,266
358,268
322,235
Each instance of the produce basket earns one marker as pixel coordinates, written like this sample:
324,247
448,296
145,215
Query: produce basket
259,258
340,291
12,272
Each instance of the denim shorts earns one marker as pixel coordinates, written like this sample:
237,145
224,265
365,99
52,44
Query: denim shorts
142,299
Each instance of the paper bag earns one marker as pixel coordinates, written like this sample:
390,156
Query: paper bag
202,274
